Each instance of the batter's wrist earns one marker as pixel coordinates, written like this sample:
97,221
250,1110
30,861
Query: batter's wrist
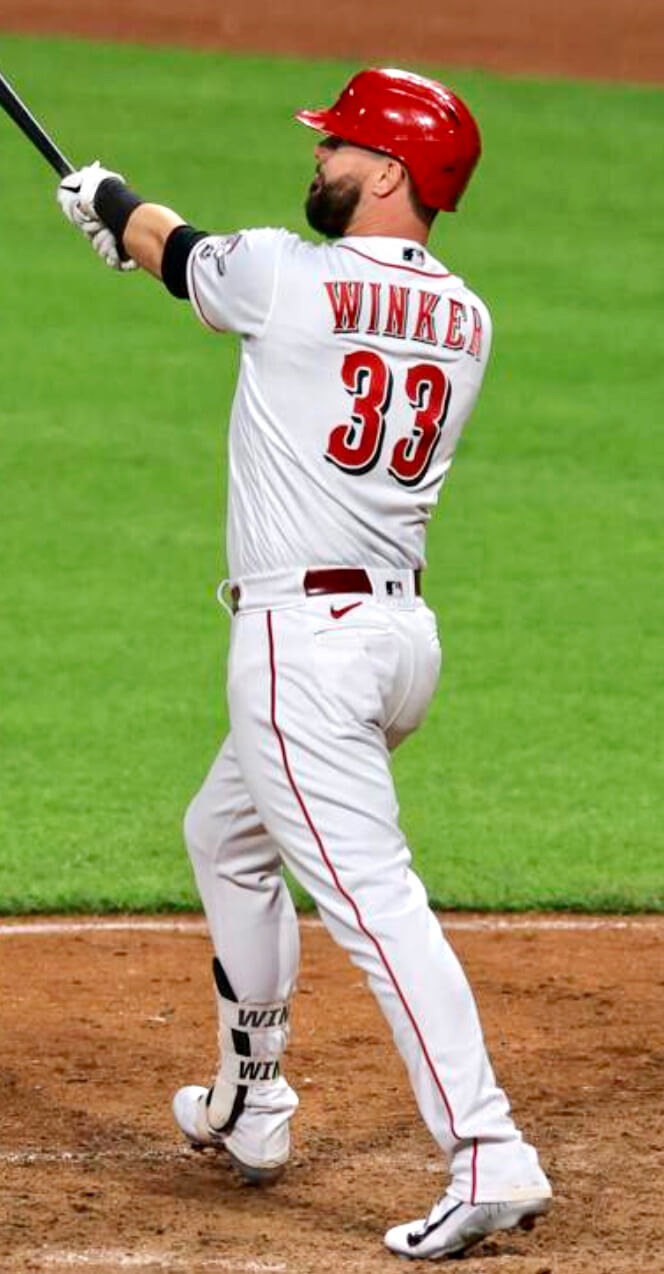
114,203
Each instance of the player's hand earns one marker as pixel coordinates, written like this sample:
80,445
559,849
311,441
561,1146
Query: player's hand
76,194
104,244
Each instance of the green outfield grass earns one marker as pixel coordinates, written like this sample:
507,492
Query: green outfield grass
538,780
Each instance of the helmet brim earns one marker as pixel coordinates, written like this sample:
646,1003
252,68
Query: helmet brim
322,121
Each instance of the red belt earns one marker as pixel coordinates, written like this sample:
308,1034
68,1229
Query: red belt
333,579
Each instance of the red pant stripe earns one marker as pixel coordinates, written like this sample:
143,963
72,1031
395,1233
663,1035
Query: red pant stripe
344,893
473,1170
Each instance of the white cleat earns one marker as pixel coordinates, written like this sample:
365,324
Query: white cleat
453,1226
258,1144
190,1115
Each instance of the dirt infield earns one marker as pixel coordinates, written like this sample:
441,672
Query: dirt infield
609,39
101,1026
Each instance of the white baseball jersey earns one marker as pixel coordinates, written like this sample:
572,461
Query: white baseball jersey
361,362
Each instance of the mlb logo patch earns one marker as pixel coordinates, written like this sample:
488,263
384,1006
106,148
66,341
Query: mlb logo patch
394,588
414,254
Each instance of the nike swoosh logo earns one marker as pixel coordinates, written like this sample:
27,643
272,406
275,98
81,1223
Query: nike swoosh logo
416,1236
338,612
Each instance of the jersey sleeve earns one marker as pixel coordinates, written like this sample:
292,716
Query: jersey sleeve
231,279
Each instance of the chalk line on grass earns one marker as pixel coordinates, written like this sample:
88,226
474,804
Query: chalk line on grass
490,923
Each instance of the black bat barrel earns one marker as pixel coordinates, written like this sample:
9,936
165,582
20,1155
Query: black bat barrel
11,102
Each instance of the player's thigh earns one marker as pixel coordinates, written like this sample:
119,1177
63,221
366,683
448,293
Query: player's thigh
314,757
223,824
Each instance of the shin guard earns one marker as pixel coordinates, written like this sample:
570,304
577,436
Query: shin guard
252,1038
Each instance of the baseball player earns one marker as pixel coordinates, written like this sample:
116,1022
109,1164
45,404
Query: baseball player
362,358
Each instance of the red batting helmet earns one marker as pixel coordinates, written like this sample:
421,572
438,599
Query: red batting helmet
418,121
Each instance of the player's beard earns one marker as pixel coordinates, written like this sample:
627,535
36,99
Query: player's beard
330,205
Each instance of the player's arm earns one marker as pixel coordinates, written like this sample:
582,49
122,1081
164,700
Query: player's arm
230,280
161,242
126,231
146,235
156,238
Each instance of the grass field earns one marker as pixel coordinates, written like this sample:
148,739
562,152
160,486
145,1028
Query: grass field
539,779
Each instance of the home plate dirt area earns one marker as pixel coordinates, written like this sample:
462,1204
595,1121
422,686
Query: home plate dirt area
103,1020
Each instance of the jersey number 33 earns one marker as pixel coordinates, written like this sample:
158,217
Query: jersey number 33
356,446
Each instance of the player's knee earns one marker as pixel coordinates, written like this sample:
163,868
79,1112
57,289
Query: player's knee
198,828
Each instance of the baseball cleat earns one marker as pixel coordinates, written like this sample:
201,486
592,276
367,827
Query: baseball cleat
259,1153
453,1226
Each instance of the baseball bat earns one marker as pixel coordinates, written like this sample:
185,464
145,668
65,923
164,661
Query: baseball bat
18,111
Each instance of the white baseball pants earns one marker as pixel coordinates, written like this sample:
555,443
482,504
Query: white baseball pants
304,780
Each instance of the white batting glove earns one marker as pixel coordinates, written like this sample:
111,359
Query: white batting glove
75,195
104,244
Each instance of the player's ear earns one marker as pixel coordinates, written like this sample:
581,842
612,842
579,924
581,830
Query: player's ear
389,177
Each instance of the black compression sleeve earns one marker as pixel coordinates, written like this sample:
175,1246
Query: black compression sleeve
177,248
114,203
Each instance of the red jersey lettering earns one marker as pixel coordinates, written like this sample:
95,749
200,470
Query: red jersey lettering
374,313
346,302
425,327
454,335
397,311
